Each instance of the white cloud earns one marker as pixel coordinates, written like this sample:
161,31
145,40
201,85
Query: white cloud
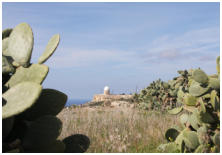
86,58
192,43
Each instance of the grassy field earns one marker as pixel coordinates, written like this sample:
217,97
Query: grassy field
117,129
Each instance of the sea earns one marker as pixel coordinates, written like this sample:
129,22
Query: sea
76,102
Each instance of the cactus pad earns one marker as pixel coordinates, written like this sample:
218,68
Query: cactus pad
196,90
200,149
205,117
6,66
50,102
200,76
175,110
169,148
6,33
218,65
20,44
56,147
214,83
5,46
216,139
166,85
189,108
183,119
202,134
214,100
202,105
77,143
193,121
50,48
179,139
23,94
35,73
190,100
171,134
42,132
7,125
191,139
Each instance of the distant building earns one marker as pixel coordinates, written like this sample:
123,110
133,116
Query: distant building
106,90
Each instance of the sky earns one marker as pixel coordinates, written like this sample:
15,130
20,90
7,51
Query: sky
125,46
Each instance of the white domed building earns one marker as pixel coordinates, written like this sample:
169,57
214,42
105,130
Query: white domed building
106,90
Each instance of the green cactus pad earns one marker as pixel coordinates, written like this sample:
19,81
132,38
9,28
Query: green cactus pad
50,102
191,139
200,76
190,81
205,117
171,134
5,46
177,85
42,132
190,100
195,112
218,65
206,96
174,94
35,73
6,66
213,76
202,105
50,48
193,121
214,83
169,148
180,137
20,44
56,147
180,95
183,119
166,85
19,98
216,139
215,149
196,90
202,134
6,33
189,108
175,111
214,100
77,143
7,125
200,149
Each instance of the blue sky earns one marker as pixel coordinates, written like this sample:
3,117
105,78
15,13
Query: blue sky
122,45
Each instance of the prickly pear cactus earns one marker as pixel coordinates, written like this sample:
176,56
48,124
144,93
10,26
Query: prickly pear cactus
201,116
29,121
160,95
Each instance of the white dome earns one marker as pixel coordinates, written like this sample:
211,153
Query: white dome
106,88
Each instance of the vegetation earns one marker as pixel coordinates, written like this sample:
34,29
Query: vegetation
117,129
29,122
32,117
196,93
160,95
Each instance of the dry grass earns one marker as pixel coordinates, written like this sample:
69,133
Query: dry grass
117,129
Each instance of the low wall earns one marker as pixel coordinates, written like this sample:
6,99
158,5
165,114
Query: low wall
102,97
